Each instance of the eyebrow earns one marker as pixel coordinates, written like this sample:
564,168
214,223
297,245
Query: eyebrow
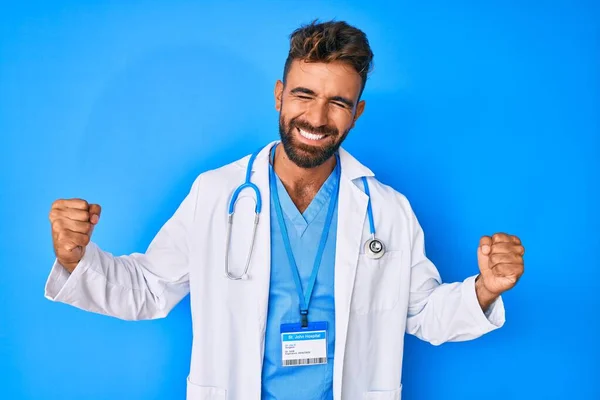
304,90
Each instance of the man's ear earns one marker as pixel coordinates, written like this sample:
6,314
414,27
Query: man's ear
278,92
360,107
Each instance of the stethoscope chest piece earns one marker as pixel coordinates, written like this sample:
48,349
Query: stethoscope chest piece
374,248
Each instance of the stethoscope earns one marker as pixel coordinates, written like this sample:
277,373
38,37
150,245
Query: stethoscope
374,248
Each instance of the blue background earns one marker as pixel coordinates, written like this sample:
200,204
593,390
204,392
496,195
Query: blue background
486,116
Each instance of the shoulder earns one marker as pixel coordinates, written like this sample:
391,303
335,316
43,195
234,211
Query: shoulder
220,177
231,173
387,196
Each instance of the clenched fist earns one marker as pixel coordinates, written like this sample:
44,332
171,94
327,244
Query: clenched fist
500,259
73,222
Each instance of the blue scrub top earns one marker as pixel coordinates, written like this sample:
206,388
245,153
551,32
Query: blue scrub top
304,230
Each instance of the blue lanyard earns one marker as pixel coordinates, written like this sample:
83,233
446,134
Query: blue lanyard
304,299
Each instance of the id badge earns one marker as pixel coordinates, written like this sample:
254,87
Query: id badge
304,346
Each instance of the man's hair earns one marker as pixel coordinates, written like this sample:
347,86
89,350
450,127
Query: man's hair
328,42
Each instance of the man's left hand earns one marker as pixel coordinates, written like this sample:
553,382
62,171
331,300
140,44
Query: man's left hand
500,259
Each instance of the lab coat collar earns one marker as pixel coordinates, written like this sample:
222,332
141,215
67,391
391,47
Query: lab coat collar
351,167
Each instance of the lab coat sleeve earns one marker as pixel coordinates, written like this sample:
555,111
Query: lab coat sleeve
136,286
444,312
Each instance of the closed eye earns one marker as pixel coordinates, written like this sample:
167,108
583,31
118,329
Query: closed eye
308,94
342,102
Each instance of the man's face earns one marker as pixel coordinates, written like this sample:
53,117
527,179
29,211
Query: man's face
317,108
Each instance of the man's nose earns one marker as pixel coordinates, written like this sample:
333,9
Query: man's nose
317,115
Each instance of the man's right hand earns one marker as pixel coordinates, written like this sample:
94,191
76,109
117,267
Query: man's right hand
73,222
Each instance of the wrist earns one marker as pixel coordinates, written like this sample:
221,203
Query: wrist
68,266
484,296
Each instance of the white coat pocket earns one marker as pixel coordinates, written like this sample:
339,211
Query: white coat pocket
384,395
377,283
197,392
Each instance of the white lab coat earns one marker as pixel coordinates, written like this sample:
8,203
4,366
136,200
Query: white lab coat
376,301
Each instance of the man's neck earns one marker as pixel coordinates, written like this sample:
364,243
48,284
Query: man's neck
302,184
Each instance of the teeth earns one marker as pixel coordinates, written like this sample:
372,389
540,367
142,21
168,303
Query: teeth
310,136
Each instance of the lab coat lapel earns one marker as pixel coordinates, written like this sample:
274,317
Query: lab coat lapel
261,261
352,209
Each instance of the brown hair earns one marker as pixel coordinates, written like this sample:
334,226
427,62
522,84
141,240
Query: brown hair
331,41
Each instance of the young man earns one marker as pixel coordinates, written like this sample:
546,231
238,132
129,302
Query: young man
309,306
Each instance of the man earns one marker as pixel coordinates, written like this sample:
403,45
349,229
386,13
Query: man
320,311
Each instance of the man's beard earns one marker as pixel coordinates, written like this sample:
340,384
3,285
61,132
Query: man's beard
306,156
